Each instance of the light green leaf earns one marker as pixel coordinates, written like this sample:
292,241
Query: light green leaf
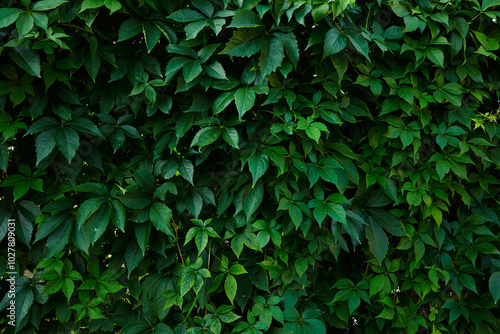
24,24
91,4
435,55
230,287
206,136
20,189
9,16
44,5
301,265
258,165
335,41
68,287
230,135
112,5
244,99
222,101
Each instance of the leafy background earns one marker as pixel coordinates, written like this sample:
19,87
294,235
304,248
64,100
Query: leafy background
251,166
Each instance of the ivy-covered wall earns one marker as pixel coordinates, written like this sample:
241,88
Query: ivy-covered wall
250,166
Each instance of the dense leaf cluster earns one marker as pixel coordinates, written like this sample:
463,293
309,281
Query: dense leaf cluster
251,166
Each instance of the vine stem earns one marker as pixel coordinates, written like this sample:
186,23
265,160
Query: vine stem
177,241
182,260
208,266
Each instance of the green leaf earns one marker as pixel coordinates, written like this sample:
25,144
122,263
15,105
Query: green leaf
390,223
237,269
335,41
359,43
291,45
20,189
112,5
67,287
45,144
272,55
435,55
68,141
9,16
160,216
151,35
142,235
319,11
44,5
91,4
4,157
95,313
206,136
215,70
252,198
258,165
59,238
186,169
26,58
489,3
98,223
222,101
24,24
135,199
230,135
191,70
244,43
246,19
295,214
494,286
24,300
186,281
133,255
301,265
244,99
49,225
129,29
443,167
337,212
187,15
377,240
193,28
230,286
377,283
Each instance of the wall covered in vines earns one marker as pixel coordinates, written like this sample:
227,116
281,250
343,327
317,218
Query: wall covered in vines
250,166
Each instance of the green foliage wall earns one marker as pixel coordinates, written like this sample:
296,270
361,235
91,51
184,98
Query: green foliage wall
251,166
